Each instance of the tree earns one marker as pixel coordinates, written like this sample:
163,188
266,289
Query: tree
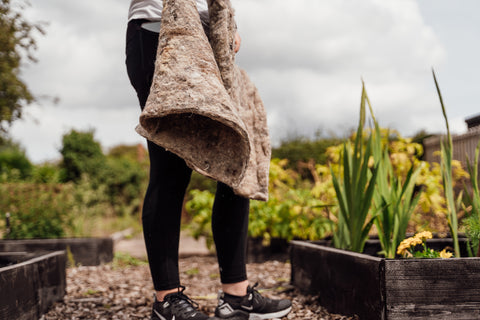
81,155
302,152
17,43
13,162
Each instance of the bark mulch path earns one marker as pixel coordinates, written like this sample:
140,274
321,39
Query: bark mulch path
116,291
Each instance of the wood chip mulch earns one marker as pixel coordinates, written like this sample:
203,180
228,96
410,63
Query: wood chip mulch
125,292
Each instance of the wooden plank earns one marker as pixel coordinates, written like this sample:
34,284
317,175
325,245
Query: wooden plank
433,311
345,282
433,288
29,288
376,288
85,251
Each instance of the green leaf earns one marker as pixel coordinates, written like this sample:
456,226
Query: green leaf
446,166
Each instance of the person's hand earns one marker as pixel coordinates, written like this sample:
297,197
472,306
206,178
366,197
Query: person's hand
238,41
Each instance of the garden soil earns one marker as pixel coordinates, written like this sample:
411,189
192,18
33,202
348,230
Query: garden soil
124,291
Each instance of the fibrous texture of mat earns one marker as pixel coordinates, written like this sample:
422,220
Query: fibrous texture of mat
202,106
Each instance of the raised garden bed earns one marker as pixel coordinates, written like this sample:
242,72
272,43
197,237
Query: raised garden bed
30,284
377,288
277,249
85,251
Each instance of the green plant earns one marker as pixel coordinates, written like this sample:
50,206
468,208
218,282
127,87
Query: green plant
37,210
408,248
70,258
293,211
81,154
17,46
396,202
472,231
124,181
200,208
14,164
393,198
355,191
192,272
200,182
94,214
302,149
45,173
399,202
91,292
404,154
298,214
52,210
91,207
124,260
121,175
472,202
446,166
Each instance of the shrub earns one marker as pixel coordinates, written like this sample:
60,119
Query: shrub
301,149
296,215
121,175
81,154
37,210
14,164
292,211
124,181
45,173
200,209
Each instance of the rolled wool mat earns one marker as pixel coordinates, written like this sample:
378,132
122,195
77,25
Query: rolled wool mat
202,106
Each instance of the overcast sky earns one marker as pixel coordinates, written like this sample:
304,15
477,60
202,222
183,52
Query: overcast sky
307,58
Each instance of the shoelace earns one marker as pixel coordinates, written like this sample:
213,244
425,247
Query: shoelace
253,290
256,297
182,303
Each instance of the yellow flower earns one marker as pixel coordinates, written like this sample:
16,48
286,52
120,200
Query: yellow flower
415,241
424,235
407,243
402,247
445,255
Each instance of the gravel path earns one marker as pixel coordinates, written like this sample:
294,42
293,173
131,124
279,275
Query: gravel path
125,292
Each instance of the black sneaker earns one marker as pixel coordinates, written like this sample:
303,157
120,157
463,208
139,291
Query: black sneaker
252,306
177,306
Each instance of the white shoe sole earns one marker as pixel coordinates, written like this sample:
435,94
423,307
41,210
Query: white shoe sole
278,314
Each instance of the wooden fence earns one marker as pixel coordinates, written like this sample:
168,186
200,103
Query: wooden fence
463,145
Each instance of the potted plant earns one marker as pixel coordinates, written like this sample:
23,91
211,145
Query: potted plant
386,286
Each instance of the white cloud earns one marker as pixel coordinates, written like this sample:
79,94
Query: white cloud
307,58
81,59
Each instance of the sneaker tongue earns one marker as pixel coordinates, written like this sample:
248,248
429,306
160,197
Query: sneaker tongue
186,305
182,302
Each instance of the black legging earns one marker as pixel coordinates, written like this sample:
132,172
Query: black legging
169,178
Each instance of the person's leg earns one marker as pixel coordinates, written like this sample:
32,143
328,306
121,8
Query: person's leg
169,178
140,52
230,227
169,175
238,301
